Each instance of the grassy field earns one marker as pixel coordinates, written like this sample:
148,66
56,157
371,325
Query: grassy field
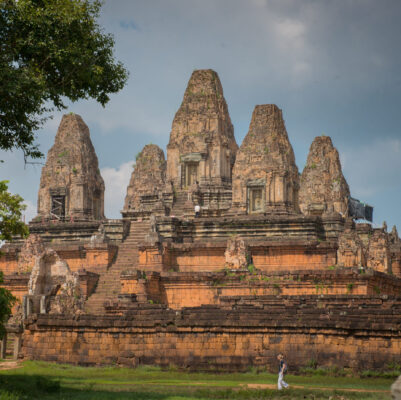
39,380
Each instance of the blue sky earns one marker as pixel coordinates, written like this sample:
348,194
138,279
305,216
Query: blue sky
333,67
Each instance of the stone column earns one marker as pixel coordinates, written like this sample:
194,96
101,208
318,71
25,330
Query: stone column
3,346
17,345
43,304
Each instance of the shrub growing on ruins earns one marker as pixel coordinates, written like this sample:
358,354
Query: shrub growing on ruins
50,50
251,268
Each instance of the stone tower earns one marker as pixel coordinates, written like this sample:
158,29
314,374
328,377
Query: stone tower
323,187
202,146
265,176
71,186
144,192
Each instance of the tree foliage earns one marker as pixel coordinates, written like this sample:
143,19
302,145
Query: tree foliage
11,208
50,50
7,300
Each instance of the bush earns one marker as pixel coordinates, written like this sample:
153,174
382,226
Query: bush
251,268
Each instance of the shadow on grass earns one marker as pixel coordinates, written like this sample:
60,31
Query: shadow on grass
21,387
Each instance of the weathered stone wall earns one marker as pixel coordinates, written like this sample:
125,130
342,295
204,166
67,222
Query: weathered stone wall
256,227
144,192
32,247
9,261
17,285
351,251
266,256
71,172
395,252
226,338
323,187
193,289
94,259
265,176
378,254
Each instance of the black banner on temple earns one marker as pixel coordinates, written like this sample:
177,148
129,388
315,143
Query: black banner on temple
359,210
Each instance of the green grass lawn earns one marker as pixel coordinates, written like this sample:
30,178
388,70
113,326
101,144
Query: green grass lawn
40,380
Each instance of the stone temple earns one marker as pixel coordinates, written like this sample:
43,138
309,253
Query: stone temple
274,262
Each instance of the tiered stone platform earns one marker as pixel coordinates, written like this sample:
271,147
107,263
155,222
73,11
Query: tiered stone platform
272,261
193,289
359,332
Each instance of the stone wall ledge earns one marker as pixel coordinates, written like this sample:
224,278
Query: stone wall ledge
16,278
337,273
246,219
221,243
281,313
61,226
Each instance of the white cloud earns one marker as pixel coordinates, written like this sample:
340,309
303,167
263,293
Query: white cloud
30,212
116,181
291,30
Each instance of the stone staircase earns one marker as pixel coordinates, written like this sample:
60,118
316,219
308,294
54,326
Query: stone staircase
109,287
181,206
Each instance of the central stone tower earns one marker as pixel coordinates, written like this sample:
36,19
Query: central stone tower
202,148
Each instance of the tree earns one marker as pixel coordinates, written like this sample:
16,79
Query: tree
11,208
50,50
7,300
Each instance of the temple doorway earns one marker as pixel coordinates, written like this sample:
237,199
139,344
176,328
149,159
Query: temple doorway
255,200
191,173
58,207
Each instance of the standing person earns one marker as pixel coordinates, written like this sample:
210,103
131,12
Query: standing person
197,211
282,369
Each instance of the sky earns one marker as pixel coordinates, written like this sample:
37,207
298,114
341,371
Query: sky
333,67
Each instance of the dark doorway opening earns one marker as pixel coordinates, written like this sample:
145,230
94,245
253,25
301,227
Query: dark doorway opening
58,207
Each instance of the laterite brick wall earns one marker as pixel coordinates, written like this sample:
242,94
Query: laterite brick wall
366,335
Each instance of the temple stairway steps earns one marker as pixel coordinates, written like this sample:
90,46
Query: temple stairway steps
180,204
109,286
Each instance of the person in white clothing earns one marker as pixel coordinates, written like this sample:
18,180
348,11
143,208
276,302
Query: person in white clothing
197,211
282,369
